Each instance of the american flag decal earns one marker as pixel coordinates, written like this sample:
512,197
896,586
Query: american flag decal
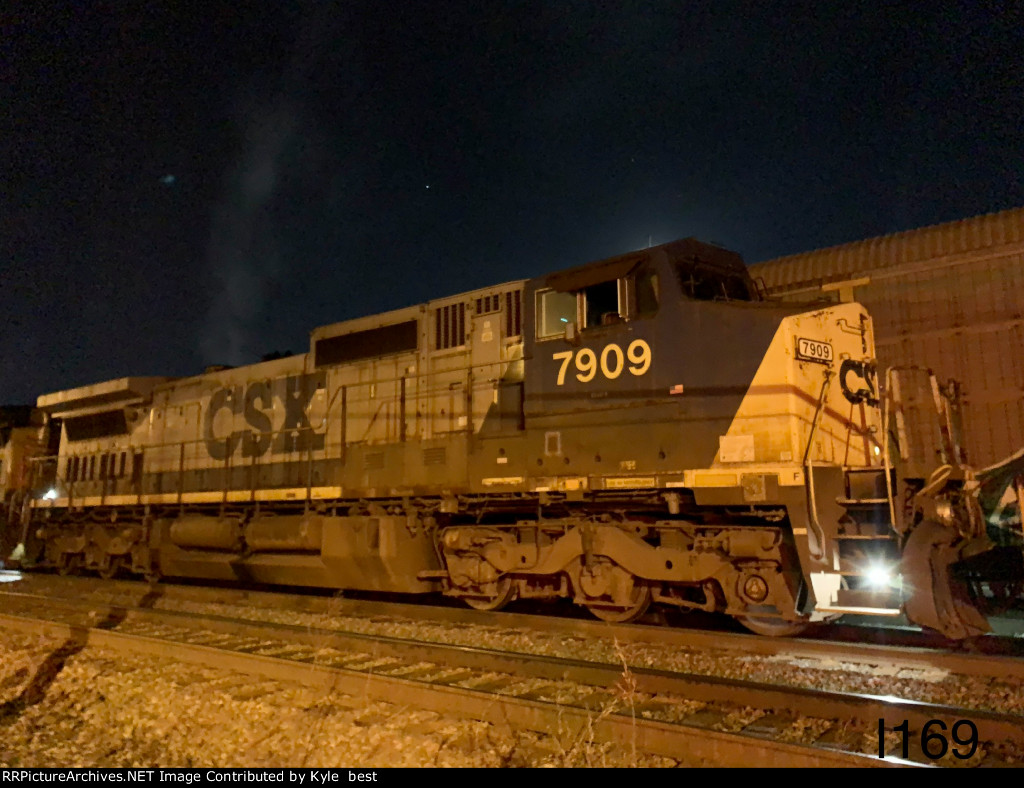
676,389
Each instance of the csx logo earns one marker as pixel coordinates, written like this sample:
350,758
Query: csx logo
253,403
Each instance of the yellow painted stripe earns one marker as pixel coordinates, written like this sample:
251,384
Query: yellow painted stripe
211,496
120,500
710,479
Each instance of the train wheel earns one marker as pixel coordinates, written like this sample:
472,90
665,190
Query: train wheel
109,569
639,601
773,627
493,596
68,564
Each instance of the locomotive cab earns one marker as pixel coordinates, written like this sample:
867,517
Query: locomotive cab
662,375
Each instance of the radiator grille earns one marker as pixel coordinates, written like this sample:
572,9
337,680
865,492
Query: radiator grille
488,304
449,326
513,313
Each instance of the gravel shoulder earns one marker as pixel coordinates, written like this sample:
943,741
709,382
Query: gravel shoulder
68,708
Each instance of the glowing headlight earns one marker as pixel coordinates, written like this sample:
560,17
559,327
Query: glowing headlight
944,512
879,577
51,494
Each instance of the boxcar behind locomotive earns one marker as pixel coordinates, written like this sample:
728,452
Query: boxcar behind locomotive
640,429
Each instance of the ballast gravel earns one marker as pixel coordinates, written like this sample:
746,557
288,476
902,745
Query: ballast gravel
923,684
103,711
95,708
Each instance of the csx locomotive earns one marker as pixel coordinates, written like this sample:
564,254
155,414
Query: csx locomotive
644,429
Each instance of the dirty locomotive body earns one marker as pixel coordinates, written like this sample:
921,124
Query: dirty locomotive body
641,429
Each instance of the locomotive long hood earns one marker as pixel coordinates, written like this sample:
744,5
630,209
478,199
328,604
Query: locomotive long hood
122,391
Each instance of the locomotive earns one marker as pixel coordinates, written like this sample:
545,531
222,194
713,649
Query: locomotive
642,429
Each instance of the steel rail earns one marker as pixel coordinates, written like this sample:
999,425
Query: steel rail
973,664
695,746
856,708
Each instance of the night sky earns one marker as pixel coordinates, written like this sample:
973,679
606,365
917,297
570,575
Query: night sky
182,188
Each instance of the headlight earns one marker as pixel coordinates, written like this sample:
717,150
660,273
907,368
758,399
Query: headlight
879,576
944,512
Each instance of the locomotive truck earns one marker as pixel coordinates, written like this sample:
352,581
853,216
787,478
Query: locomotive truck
643,429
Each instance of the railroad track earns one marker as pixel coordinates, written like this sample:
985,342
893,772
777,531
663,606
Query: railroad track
1000,657
696,718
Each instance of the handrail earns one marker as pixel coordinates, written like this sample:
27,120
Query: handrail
947,443
343,392
817,550
61,480
342,397
886,460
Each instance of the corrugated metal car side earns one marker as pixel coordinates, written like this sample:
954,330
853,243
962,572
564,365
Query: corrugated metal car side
949,297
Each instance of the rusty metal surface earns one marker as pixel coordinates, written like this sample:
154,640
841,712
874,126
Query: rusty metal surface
695,746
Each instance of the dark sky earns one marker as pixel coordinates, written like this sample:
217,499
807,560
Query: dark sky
182,188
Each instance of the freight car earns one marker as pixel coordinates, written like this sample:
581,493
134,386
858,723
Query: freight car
643,429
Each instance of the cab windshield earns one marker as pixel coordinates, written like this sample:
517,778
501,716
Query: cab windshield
704,283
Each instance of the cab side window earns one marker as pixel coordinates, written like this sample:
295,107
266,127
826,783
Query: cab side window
554,311
601,305
647,294
607,303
